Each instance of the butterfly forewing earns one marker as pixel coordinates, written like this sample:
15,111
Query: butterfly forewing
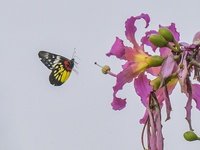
61,67
50,60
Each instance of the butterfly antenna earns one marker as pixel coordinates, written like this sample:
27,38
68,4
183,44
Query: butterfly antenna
76,71
74,52
74,56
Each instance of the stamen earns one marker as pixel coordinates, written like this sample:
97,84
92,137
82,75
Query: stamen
106,70
97,64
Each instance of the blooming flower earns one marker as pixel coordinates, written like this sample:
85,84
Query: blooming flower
138,60
175,63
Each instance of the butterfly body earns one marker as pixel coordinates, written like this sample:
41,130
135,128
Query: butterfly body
61,67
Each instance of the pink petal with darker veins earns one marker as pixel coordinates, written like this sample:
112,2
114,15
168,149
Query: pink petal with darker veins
117,49
196,94
123,77
145,39
164,51
169,67
118,103
143,120
134,55
167,103
131,28
126,76
142,88
127,64
188,106
154,70
183,71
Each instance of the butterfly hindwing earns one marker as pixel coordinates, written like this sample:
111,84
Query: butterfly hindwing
61,67
61,72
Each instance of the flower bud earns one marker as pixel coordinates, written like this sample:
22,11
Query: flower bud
190,136
158,83
155,83
157,40
105,69
167,34
154,61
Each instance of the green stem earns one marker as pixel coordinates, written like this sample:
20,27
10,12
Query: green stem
177,57
177,45
172,48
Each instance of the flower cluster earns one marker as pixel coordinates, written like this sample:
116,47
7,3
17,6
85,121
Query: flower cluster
175,63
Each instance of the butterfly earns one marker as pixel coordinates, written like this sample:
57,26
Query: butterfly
61,67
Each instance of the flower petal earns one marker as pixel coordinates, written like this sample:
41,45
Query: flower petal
183,71
128,74
196,94
188,106
131,28
167,103
143,120
117,49
118,103
146,41
156,138
169,67
134,55
154,70
142,88
124,77
196,39
164,51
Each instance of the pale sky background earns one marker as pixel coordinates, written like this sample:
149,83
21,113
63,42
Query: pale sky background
34,115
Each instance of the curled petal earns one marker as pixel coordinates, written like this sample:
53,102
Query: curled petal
146,41
188,106
127,76
143,120
117,49
118,103
196,94
172,28
131,28
167,102
143,88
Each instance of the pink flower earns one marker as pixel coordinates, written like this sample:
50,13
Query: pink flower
138,60
175,63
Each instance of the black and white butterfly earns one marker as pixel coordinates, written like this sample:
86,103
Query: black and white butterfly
61,67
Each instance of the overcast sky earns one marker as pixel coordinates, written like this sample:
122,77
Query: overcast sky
34,115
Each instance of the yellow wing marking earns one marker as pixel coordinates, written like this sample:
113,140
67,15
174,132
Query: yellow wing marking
65,76
62,75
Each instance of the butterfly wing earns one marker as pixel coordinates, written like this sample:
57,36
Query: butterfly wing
61,72
61,67
50,60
